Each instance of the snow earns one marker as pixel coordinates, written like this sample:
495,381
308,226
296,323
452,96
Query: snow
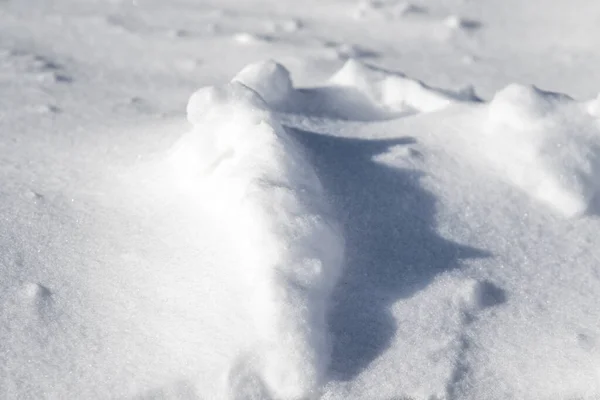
289,240
545,147
270,80
395,92
359,200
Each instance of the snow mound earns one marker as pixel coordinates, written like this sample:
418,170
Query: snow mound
210,101
395,92
544,144
523,106
356,92
269,79
257,177
272,82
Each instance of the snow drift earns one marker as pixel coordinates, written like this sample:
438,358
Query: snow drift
132,268
394,92
257,177
546,144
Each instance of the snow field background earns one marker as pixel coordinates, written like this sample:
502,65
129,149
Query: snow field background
369,209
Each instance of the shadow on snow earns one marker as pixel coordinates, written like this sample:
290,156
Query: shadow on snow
392,248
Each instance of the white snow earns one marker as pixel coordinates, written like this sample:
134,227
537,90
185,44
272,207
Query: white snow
364,200
546,146
395,92
270,80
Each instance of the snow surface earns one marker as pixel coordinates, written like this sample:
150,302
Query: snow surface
275,200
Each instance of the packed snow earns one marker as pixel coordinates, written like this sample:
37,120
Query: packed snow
281,200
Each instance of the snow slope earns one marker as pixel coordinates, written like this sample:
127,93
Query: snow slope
368,200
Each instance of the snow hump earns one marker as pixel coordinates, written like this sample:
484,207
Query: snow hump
544,144
396,92
257,176
270,80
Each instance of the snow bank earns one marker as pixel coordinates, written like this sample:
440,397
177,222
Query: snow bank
394,91
546,145
257,177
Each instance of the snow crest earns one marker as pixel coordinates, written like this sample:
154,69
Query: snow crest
257,177
544,143
270,80
395,92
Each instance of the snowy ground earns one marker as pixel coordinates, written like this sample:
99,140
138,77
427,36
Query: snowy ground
318,199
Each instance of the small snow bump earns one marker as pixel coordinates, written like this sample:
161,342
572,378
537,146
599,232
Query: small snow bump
476,295
35,196
453,21
35,291
405,152
287,25
208,99
401,156
249,38
178,33
586,342
269,79
456,22
593,107
489,294
467,93
405,8
385,10
291,25
523,105
54,77
352,51
49,109
414,153
43,63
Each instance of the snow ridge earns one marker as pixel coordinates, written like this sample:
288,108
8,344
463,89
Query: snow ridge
395,92
242,161
546,145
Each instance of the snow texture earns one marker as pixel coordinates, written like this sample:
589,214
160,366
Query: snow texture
335,219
